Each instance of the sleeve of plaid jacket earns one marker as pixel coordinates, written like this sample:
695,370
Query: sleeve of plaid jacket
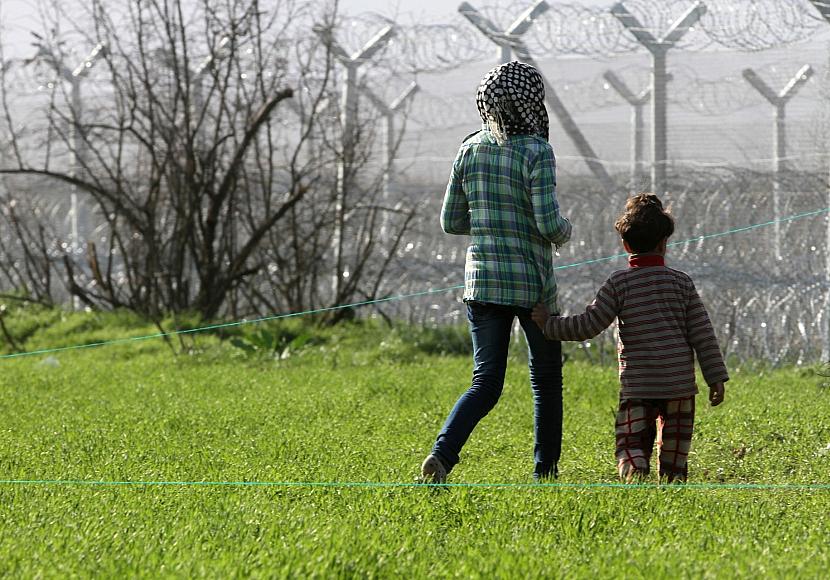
554,228
455,213
597,317
702,337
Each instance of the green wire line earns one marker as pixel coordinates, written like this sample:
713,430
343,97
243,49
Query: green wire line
399,485
224,325
700,238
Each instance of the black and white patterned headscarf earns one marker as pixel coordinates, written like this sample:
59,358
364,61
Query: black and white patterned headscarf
511,101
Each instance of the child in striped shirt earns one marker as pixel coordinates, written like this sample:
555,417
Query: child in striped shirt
662,324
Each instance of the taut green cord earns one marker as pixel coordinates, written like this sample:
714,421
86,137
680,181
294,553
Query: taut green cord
398,485
700,238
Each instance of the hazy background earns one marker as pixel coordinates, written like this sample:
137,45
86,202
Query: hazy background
720,149
732,124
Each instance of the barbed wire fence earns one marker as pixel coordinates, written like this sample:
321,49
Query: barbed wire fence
570,29
775,317
771,313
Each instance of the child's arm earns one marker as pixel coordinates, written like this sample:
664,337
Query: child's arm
554,227
597,317
455,213
703,340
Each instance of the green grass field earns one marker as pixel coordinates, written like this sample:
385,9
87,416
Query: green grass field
362,404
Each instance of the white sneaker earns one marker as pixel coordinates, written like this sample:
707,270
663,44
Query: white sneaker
433,470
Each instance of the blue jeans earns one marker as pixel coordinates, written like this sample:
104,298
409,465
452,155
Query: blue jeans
490,326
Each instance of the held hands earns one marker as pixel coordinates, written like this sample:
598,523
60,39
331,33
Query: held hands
716,394
540,315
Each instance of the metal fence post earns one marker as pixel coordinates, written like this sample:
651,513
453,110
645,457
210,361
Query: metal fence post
637,102
659,79
388,112
779,154
78,219
348,119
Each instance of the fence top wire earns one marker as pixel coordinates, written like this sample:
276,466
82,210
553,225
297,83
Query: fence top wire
564,29
572,29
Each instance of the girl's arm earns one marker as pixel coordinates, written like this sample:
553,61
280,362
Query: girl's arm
597,317
554,227
455,213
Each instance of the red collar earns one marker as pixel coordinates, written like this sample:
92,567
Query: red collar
645,260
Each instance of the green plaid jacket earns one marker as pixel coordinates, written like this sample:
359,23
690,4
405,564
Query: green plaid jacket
504,198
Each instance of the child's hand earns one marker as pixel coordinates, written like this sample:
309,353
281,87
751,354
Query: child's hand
540,315
716,394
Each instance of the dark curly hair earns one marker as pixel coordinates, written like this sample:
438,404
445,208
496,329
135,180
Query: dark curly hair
645,223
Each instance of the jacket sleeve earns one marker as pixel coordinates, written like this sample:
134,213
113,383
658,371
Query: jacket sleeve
597,317
554,227
701,336
455,212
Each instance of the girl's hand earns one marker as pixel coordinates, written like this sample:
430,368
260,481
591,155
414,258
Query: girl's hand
540,315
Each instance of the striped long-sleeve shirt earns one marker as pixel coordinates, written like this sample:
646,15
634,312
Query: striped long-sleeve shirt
504,197
662,324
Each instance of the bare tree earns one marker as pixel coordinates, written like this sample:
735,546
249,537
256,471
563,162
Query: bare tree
212,194
161,158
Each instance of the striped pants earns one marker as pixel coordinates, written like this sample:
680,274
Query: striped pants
642,421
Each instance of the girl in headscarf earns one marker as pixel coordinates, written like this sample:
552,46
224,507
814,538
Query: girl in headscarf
502,193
